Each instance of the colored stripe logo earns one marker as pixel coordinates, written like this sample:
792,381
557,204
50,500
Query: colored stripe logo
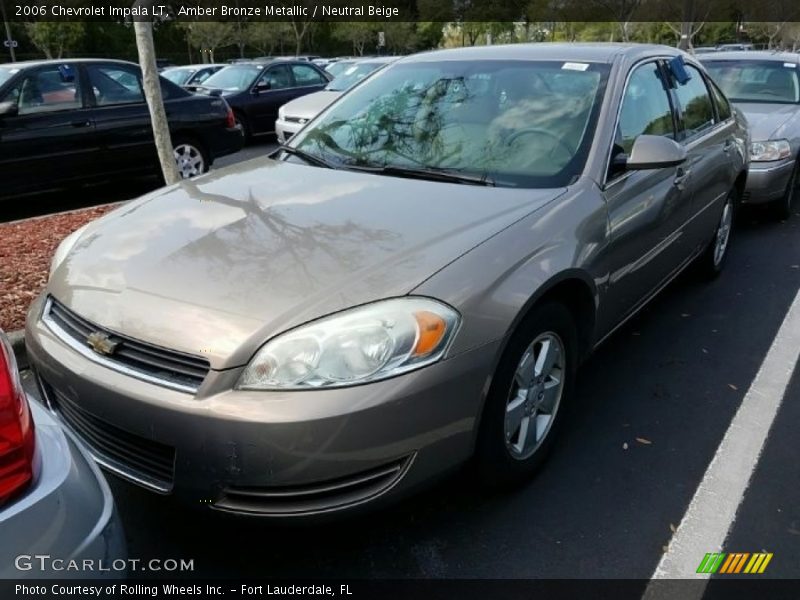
732,563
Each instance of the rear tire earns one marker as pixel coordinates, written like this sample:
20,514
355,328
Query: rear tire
530,392
191,157
782,209
712,260
242,120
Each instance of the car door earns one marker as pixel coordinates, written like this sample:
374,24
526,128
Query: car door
272,89
50,140
708,137
647,209
122,118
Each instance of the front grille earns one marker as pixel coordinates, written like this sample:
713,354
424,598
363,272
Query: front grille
143,461
153,363
315,498
296,120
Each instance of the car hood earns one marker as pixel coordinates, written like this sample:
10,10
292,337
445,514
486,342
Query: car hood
770,121
309,106
218,265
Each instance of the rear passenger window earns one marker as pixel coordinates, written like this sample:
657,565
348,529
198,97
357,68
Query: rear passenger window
645,108
305,75
115,85
697,111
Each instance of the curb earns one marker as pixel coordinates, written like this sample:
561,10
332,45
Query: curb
17,339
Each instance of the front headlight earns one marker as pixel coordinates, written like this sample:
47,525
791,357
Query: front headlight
362,344
771,150
64,248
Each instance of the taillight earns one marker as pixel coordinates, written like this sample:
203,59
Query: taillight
230,119
17,440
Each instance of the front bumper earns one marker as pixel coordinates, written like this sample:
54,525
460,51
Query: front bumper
68,514
767,181
286,129
297,453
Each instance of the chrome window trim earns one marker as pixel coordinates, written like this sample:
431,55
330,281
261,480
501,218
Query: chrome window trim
70,341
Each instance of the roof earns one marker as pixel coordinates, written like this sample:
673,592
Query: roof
23,64
753,55
588,52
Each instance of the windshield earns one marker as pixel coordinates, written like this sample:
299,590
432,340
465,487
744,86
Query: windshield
339,67
769,81
351,76
235,77
6,74
179,76
518,124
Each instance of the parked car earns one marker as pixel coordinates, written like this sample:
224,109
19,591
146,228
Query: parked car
53,499
84,121
335,69
256,91
765,86
189,75
704,49
740,47
164,63
293,115
410,284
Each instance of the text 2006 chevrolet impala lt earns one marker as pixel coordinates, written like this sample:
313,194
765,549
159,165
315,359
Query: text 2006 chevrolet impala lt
408,286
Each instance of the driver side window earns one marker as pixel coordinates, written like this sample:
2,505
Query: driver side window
278,77
47,90
645,107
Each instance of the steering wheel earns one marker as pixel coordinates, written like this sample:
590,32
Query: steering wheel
537,131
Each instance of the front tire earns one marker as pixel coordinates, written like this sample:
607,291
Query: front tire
531,389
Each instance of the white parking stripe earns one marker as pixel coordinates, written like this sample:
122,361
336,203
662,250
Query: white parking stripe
713,508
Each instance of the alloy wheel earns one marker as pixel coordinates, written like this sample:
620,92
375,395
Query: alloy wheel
723,233
535,395
190,161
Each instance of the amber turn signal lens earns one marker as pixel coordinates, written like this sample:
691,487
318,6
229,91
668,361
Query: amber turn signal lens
431,328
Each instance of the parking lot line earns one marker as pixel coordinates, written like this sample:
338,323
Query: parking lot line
712,510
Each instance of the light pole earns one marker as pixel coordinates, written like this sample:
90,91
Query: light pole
8,31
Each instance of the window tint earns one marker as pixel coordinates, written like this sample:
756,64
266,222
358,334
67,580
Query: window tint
278,77
305,75
645,107
49,90
114,85
696,109
723,106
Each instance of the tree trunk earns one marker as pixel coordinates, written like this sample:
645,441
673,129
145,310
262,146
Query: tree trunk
155,103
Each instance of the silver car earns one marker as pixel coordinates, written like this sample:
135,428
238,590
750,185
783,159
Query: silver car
410,285
765,86
53,500
293,115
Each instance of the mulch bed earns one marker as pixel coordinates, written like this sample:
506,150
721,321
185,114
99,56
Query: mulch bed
26,248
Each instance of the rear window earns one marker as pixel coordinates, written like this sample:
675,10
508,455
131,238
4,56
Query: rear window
766,81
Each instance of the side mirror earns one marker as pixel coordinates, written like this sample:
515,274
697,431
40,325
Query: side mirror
655,152
262,86
8,109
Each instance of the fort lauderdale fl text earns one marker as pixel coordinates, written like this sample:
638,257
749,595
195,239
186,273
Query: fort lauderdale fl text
158,10
103,591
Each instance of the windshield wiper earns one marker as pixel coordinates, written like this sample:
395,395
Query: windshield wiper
306,156
428,173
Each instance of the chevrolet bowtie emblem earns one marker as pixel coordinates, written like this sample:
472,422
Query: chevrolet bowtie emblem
101,343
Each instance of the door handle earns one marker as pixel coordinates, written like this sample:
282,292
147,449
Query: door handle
681,177
727,146
82,123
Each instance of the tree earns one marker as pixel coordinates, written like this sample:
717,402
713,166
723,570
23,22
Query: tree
361,34
208,36
54,38
301,25
151,85
265,36
622,11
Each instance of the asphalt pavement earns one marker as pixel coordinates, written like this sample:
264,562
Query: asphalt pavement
653,404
